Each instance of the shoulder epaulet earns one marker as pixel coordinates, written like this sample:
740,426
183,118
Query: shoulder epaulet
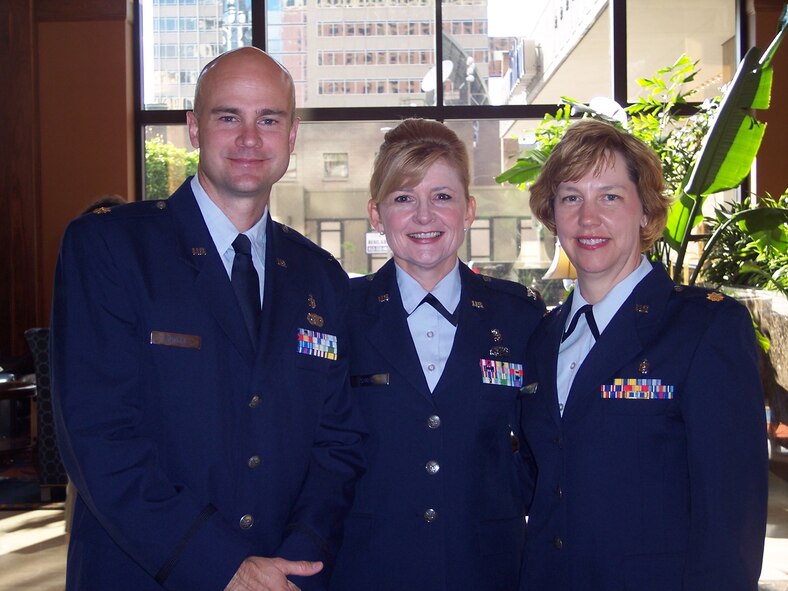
512,288
694,292
129,210
302,240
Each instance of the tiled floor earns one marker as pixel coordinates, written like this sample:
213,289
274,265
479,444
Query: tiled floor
33,547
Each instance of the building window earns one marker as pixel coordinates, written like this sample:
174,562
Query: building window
335,166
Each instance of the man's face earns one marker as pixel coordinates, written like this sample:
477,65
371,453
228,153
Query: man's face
244,128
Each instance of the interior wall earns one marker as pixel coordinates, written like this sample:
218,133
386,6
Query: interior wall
770,176
67,137
86,117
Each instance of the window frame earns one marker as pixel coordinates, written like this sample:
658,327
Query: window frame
439,111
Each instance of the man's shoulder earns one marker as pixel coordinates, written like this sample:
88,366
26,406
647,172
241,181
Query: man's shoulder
304,246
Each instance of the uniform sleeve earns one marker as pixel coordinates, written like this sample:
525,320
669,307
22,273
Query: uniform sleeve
99,403
723,408
315,527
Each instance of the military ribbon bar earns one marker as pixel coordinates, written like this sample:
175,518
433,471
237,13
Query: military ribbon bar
501,373
311,342
637,389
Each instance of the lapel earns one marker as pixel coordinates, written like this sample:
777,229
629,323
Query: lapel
629,333
196,249
474,322
553,328
388,328
281,285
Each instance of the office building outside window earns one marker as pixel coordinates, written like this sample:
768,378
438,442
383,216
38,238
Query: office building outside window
490,69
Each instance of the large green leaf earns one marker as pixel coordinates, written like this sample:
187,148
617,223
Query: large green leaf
730,147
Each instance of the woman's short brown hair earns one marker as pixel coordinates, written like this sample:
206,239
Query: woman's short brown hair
410,149
588,145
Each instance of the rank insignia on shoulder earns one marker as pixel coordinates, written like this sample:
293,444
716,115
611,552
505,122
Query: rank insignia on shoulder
198,251
314,319
501,373
531,293
715,296
317,344
102,210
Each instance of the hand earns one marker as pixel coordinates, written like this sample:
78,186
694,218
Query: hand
257,573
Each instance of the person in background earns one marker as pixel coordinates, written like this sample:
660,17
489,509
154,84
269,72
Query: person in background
436,366
200,371
104,203
643,407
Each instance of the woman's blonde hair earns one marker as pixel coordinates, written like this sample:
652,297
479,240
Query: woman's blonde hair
410,149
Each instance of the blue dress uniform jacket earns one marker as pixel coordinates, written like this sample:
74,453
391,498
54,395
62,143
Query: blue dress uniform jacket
642,494
191,447
441,505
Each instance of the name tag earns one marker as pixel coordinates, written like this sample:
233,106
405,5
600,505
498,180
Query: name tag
318,344
501,373
175,339
374,379
637,389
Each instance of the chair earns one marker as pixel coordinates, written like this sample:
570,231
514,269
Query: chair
51,472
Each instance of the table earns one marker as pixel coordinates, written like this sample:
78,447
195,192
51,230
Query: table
18,390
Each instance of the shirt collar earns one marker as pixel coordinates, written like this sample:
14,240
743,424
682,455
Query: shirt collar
222,230
447,290
606,308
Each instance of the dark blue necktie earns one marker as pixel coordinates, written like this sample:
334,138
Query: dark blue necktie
435,303
589,313
246,284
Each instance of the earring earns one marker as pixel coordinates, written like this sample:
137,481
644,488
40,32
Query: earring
381,232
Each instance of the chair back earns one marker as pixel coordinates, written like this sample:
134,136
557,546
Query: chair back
51,471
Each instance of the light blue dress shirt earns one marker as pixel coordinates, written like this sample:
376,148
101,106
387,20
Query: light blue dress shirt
223,232
575,348
432,334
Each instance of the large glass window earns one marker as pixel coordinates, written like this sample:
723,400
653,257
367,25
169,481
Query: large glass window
489,68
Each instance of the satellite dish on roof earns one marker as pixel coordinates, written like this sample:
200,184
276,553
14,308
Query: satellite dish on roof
428,82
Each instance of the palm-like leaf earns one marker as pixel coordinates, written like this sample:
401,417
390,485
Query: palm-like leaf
731,144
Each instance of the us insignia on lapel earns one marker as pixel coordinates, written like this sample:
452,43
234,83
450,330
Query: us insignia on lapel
198,251
637,389
501,373
318,344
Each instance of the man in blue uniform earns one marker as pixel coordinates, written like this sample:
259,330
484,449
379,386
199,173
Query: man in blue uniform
199,372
